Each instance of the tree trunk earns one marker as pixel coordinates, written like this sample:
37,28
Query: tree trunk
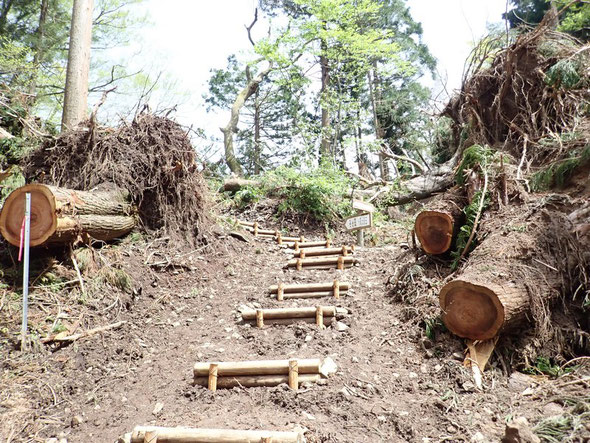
324,94
257,149
437,226
232,125
235,184
39,48
518,268
61,215
76,93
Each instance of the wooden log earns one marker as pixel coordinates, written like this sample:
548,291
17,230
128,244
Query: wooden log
437,226
245,223
319,294
280,292
321,261
60,215
251,381
257,367
289,321
504,276
261,232
198,435
329,311
259,316
315,252
307,244
310,287
336,289
235,184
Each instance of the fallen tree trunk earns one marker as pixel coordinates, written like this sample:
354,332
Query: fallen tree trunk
235,184
141,434
61,215
437,226
511,276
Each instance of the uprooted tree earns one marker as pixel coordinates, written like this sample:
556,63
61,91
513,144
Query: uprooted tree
520,127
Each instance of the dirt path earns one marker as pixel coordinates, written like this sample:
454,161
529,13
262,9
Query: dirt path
393,384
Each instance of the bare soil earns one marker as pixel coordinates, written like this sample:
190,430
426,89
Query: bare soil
393,383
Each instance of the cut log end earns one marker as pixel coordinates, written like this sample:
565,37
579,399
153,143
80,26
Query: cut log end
43,215
470,310
434,230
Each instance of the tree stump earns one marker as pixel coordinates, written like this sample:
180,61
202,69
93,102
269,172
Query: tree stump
61,215
514,274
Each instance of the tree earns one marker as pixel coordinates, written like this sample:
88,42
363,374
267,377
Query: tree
574,15
76,90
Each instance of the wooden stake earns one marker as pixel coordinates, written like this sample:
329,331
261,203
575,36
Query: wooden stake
340,263
259,318
299,264
280,291
302,253
328,242
302,239
212,381
265,439
344,250
280,238
255,229
336,289
296,246
293,374
151,437
319,317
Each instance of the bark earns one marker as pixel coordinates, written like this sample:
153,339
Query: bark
39,46
325,72
235,184
61,215
257,147
76,91
510,277
232,125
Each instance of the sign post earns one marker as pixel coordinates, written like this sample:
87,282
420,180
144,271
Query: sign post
358,223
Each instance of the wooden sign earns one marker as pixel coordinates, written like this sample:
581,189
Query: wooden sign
362,206
359,222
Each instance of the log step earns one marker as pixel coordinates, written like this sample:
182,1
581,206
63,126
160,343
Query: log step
159,434
316,252
320,315
307,290
323,262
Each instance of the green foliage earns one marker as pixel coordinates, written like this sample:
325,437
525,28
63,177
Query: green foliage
558,173
473,156
320,193
247,195
544,366
567,74
432,326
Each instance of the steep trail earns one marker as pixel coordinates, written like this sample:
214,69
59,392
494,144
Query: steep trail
392,383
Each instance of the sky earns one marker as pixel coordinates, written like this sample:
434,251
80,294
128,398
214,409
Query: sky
187,38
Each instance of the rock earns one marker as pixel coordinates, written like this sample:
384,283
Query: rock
52,440
329,367
551,409
478,437
77,420
519,431
307,415
341,327
518,382
458,356
468,387
158,408
308,338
